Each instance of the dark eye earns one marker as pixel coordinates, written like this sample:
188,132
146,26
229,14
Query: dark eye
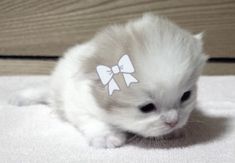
147,108
185,96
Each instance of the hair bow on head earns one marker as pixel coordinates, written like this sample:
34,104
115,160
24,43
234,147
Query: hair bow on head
106,74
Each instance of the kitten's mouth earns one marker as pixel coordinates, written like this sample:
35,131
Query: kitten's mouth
170,129
166,129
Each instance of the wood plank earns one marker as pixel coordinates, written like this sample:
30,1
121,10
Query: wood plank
32,27
219,69
34,67
26,67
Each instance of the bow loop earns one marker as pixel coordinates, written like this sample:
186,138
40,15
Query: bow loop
105,73
125,64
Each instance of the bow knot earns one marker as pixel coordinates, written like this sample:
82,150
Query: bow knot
106,74
115,69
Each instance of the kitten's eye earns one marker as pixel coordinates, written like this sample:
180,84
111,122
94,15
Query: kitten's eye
185,96
147,108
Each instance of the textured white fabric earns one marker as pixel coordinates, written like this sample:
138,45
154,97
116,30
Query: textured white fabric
35,134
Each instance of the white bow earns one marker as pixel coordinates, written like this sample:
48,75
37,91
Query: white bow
106,74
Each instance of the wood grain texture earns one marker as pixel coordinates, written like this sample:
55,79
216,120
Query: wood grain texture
219,69
48,27
25,67
33,67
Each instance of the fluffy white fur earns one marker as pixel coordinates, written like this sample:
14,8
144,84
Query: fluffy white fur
168,61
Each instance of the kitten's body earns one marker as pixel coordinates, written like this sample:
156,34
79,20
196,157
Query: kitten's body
167,61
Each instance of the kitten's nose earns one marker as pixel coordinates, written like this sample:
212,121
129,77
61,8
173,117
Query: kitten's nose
170,118
172,123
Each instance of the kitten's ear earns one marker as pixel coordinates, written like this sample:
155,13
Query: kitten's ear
199,36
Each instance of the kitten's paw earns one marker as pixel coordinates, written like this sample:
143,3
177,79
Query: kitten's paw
111,140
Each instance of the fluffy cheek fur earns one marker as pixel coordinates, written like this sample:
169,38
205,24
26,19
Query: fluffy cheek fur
150,124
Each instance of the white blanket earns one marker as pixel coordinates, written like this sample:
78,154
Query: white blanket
34,134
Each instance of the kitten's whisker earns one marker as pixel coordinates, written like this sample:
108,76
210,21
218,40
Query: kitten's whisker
132,138
196,121
199,122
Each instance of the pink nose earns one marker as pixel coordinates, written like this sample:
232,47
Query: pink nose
172,123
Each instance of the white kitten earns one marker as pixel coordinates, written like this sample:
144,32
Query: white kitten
167,60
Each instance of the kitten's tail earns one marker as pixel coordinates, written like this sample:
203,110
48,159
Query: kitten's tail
30,96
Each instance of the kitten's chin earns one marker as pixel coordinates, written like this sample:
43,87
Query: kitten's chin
162,133
154,134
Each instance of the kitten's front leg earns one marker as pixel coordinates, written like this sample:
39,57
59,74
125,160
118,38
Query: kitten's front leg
101,135
82,111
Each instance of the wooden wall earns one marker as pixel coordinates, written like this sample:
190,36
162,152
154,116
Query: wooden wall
49,27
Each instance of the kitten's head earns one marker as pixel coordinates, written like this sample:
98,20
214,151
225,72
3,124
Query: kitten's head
167,60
